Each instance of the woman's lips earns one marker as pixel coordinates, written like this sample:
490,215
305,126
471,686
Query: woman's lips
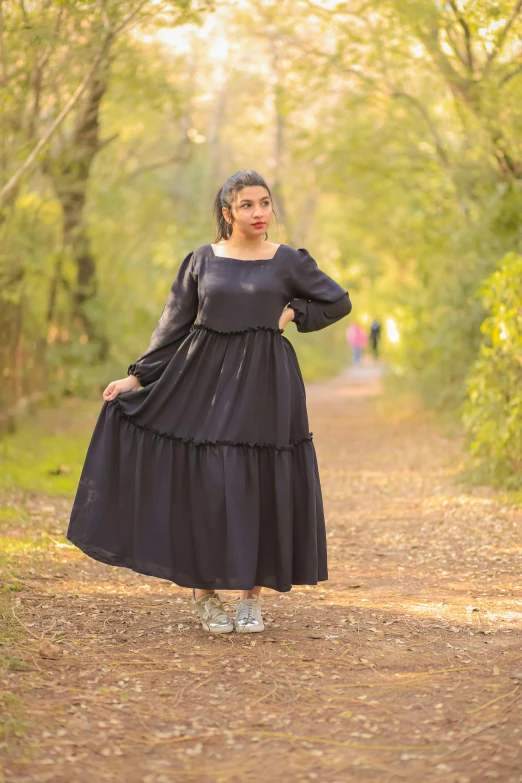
258,225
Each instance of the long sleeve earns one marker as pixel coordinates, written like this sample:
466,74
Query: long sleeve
179,313
319,301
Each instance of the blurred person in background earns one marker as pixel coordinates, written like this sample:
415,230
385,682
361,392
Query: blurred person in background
356,339
375,337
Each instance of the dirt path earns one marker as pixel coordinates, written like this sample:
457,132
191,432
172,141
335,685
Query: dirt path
405,666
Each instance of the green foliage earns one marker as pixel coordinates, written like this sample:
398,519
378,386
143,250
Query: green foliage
320,354
12,725
389,136
493,413
38,456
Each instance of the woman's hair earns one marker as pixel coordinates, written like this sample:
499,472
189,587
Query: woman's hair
226,196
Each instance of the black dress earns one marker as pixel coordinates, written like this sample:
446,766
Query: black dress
207,475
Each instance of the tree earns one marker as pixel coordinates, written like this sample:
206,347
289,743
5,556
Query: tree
51,112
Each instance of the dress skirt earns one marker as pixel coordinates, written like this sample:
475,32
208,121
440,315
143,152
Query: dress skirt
207,476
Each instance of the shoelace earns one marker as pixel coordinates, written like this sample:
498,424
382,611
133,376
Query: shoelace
213,603
247,609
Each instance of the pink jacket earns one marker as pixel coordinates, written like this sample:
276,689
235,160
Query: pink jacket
355,336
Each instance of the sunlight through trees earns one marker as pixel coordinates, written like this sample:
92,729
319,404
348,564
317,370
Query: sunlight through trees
389,132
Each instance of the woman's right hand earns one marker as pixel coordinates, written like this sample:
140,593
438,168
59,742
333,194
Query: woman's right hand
130,383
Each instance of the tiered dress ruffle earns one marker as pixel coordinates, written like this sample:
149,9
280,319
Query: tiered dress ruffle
207,475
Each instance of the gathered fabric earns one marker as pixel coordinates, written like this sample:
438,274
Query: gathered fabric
207,475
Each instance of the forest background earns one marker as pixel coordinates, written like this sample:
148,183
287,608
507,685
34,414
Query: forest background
389,132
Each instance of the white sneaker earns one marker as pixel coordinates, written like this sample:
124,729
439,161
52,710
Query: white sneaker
212,613
248,616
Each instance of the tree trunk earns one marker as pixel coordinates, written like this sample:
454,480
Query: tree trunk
70,170
11,329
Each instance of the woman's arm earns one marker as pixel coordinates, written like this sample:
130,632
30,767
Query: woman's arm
319,300
179,313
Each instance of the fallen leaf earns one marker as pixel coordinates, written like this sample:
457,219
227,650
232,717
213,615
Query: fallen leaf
49,650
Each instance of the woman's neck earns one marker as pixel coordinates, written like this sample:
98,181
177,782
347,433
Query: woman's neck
247,244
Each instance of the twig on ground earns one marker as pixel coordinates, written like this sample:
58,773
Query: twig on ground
493,701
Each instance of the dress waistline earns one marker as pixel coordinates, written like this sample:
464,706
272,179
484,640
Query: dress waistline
273,329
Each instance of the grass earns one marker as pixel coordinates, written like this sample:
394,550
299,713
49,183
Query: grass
12,634
29,460
11,723
9,514
47,451
10,630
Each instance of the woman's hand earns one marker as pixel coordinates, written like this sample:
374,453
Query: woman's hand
130,383
286,316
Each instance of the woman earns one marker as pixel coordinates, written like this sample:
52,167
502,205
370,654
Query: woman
207,474
356,339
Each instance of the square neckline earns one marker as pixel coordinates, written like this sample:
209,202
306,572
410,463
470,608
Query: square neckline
244,260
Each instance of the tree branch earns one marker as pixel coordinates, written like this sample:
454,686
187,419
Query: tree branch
502,37
11,184
3,58
459,84
130,17
157,165
37,79
328,58
455,45
509,76
24,13
109,38
467,35
50,49
328,13
424,112
105,142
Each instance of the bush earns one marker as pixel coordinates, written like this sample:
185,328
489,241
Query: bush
493,411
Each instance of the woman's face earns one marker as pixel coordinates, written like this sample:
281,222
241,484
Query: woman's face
252,211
